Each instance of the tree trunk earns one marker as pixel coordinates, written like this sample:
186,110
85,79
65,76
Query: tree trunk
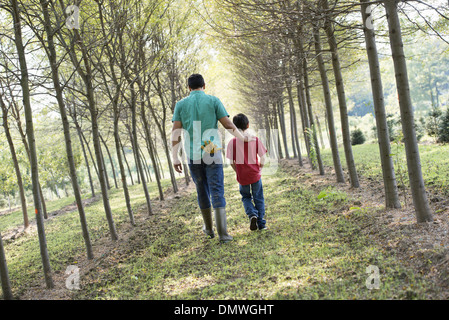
390,186
83,148
122,170
422,209
293,122
105,171
150,148
23,202
126,161
31,143
4,276
346,134
329,112
276,130
110,160
283,128
90,153
320,131
86,76
66,127
27,149
311,122
136,145
161,127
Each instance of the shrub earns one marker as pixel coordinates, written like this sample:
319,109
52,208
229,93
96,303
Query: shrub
443,131
357,137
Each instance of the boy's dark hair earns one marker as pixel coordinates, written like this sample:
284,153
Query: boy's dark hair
241,121
195,81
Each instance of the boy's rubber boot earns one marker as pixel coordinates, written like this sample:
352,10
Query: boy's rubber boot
220,221
208,228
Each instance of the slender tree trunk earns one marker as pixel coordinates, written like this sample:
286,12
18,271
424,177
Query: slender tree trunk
150,148
122,168
293,123
283,128
276,128
329,112
126,161
422,209
346,134
90,153
320,131
110,161
86,75
390,186
105,171
31,143
83,148
310,117
302,111
66,127
161,127
23,202
136,145
144,164
291,108
134,154
27,149
4,276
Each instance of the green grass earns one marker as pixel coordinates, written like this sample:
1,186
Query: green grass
64,236
310,250
307,253
434,161
14,218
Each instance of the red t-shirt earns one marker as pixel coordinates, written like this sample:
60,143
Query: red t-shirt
244,154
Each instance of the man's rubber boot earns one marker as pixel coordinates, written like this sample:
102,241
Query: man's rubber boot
220,221
208,224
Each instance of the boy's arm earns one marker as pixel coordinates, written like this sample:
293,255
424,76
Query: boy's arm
262,160
233,165
262,152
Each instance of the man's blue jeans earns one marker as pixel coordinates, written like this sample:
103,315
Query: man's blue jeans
250,193
209,181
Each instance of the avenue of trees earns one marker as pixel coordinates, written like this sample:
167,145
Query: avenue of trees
88,88
284,52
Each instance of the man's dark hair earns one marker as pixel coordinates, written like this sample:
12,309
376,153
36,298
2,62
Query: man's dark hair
241,121
195,81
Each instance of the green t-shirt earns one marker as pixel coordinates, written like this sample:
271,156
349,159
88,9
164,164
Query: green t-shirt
199,114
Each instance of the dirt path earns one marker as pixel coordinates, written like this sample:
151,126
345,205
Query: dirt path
18,231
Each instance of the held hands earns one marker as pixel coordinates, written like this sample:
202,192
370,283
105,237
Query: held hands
210,147
248,136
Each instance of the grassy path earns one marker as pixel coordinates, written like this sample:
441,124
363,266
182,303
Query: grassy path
314,249
320,240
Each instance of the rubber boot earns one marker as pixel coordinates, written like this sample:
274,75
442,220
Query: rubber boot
220,221
208,225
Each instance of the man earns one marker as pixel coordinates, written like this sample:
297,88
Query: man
197,117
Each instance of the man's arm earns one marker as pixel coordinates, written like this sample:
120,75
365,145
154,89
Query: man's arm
175,140
230,126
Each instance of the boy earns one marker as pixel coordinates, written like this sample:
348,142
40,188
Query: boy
244,161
